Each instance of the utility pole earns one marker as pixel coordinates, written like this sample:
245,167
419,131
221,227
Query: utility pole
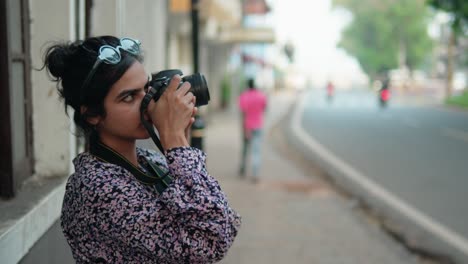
197,130
195,47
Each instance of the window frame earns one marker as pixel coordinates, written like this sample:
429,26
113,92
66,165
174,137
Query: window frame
11,174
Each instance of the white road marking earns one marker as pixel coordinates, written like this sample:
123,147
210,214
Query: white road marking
375,189
456,133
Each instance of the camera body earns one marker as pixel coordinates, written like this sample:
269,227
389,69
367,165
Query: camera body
199,87
156,87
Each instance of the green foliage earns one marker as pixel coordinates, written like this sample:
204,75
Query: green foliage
383,30
461,100
458,9
225,91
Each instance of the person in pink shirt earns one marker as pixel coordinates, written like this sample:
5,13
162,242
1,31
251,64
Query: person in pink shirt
252,104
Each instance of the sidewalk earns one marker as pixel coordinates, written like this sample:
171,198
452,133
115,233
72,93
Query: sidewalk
290,217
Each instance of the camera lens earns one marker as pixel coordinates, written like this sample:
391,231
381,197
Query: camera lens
199,88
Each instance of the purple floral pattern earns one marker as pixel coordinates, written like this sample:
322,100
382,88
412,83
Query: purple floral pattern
109,217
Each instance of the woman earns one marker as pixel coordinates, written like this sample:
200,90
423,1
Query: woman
109,215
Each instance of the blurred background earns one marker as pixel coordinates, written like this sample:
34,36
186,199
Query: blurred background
371,95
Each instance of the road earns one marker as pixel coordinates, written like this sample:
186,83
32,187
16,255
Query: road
417,153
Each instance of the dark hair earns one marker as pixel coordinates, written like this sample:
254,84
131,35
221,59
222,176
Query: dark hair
69,64
251,83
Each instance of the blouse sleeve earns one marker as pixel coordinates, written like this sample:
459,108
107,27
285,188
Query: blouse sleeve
190,222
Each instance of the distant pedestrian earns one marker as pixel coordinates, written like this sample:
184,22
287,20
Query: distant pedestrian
330,91
252,104
384,92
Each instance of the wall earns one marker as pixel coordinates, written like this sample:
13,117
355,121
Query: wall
144,20
51,128
54,142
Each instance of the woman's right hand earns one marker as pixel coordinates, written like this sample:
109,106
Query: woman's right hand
173,113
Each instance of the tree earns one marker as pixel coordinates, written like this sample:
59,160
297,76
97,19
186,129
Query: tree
459,23
386,34
459,11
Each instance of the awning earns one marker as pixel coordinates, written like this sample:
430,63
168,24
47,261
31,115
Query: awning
226,13
247,35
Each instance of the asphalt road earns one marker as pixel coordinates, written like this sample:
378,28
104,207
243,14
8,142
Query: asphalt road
418,153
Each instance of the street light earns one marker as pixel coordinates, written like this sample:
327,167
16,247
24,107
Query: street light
197,129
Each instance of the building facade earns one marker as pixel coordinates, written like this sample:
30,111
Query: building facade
37,140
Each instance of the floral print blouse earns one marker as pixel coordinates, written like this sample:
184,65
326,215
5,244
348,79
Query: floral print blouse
110,217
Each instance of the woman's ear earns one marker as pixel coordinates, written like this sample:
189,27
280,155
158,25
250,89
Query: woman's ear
93,120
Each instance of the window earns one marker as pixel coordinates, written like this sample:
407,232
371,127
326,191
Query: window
15,96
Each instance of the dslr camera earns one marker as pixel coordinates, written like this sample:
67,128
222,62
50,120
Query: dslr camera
160,81
158,84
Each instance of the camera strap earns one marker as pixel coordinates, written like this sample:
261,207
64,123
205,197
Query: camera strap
144,105
155,175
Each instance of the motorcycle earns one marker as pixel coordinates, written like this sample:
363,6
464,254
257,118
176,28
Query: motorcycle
384,97
330,92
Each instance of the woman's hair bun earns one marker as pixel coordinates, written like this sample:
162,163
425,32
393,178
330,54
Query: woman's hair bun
57,58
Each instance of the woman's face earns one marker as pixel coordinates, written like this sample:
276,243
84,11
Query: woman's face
122,107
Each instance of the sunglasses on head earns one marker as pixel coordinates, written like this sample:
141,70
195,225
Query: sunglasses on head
111,55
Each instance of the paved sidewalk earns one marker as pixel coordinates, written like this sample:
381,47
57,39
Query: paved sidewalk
289,216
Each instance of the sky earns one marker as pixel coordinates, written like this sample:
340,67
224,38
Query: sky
315,29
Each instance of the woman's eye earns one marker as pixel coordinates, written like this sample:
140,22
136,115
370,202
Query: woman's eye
128,98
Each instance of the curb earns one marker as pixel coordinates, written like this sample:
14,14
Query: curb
396,221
